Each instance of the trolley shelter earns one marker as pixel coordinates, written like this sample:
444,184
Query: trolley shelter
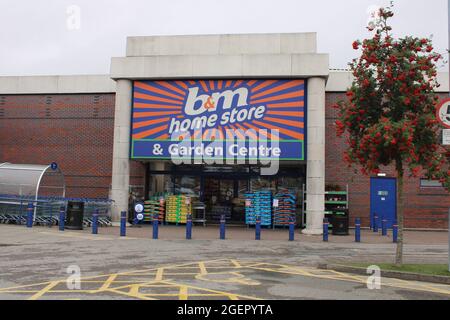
19,182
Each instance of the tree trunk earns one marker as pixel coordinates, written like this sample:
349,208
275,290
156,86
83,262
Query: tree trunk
399,252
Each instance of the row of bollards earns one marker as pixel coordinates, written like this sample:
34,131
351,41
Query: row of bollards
384,229
222,229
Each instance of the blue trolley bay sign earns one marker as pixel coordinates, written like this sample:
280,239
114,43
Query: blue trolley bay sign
231,119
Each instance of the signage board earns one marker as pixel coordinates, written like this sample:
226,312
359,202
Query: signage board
209,115
446,137
443,113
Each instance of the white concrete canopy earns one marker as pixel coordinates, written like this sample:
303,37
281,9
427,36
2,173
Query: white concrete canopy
225,56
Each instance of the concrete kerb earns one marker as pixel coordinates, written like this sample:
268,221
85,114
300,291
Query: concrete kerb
387,273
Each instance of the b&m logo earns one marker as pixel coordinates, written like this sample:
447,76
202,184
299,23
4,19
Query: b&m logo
208,109
197,104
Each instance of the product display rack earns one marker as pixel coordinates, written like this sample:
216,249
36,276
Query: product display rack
285,212
152,207
260,205
177,209
336,203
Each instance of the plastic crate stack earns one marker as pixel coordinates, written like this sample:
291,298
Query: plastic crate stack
286,209
177,209
261,205
152,207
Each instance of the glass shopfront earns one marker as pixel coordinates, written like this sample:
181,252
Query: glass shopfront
222,189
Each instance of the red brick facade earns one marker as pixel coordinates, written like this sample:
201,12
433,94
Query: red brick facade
424,207
76,131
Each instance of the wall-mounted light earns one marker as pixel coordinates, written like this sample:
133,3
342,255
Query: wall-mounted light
382,174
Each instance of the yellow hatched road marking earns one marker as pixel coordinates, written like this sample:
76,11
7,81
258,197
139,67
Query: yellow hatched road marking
108,282
130,288
44,290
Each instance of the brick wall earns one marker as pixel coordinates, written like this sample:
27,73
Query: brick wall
76,131
424,207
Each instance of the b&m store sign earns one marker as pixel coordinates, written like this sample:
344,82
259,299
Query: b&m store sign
208,110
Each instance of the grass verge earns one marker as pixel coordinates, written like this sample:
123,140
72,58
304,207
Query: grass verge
427,269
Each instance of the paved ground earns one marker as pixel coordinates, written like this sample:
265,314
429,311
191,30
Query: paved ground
33,265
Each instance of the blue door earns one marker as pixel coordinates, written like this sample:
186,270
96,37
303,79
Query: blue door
383,200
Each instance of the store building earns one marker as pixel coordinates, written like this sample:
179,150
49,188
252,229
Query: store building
102,130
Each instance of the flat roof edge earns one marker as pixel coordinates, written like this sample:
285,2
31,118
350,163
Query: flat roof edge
57,84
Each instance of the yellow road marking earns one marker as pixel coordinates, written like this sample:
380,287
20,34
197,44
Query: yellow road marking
236,263
131,288
159,274
108,282
44,290
202,267
183,294
227,294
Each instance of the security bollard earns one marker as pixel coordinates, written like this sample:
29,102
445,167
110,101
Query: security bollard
123,223
30,210
394,232
258,228
222,227
291,229
62,218
155,226
357,230
189,227
95,222
375,223
384,227
325,229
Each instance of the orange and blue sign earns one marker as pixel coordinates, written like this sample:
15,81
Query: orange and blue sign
208,110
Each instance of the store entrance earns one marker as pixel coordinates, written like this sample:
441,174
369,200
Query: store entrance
223,190
225,196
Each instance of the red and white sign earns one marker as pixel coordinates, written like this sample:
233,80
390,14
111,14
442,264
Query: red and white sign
443,113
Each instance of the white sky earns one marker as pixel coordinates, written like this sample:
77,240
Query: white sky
34,38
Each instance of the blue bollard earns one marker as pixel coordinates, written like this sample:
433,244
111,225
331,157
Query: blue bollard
30,211
395,232
222,227
189,227
258,228
357,230
95,222
325,229
155,223
384,227
123,223
375,223
291,229
62,218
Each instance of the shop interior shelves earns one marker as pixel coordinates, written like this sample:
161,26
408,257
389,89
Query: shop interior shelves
336,203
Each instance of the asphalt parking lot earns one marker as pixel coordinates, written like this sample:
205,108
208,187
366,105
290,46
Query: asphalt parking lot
34,265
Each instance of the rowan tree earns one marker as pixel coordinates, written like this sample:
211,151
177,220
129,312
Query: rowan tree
389,116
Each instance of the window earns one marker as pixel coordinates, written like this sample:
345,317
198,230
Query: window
425,183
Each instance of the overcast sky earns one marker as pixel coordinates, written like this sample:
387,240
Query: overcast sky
35,37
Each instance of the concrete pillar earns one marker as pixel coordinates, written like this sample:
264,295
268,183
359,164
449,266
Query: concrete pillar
121,161
315,175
